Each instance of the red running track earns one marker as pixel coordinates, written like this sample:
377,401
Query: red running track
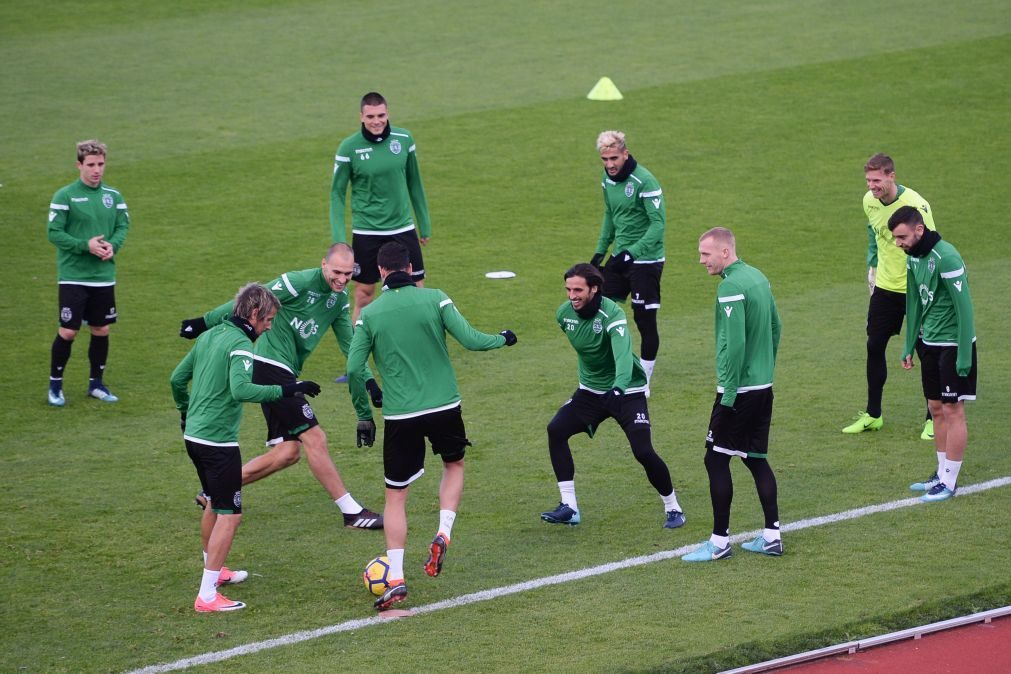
980,648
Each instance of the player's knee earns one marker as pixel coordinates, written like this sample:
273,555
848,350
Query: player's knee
287,454
557,431
67,334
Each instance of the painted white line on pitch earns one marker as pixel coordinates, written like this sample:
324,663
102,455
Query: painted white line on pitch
495,593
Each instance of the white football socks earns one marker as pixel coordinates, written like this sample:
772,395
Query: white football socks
396,563
950,473
670,502
209,585
719,541
567,490
446,519
941,456
648,366
348,504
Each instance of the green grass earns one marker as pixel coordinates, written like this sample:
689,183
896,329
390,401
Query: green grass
222,119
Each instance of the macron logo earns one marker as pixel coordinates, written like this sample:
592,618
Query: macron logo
656,203
958,286
727,311
276,286
621,331
247,363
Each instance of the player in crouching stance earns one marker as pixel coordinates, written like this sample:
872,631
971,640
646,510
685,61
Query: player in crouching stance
313,301
612,384
747,339
938,301
220,367
405,331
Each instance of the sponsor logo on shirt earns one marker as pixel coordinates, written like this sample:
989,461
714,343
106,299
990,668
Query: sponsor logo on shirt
395,146
926,296
79,199
305,328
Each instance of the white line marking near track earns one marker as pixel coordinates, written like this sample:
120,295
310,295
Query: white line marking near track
495,593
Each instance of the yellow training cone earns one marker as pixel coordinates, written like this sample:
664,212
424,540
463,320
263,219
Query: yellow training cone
604,90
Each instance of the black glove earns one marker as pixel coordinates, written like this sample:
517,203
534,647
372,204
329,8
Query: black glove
596,260
619,262
510,337
182,421
613,400
192,328
375,393
366,432
309,388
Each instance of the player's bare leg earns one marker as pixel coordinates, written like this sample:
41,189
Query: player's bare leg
278,457
317,453
364,294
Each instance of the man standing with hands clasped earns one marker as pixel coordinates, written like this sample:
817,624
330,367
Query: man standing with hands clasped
747,340
88,221
938,301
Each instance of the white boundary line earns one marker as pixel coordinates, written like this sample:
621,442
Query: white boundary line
537,583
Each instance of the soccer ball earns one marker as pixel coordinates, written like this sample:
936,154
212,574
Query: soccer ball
377,575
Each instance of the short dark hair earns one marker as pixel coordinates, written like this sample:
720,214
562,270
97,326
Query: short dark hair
880,162
907,215
593,277
393,256
373,98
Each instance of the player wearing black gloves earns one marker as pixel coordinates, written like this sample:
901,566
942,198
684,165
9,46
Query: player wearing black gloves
612,385
635,217
219,366
408,324
313,302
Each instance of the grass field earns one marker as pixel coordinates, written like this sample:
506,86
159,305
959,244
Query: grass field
222,118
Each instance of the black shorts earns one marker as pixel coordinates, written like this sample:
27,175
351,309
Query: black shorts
885,313
220,473
744,433
940,378
366,247
641,280
286,418
585,411
95,305
404,444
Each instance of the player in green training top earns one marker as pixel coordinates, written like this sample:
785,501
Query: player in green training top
939,303
886,276
88,221
380,162
313,301
219,367
612,385
405,331
747,341
634,220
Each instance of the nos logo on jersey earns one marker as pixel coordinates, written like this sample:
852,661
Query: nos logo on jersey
629,189
598,327
395,146
107,200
